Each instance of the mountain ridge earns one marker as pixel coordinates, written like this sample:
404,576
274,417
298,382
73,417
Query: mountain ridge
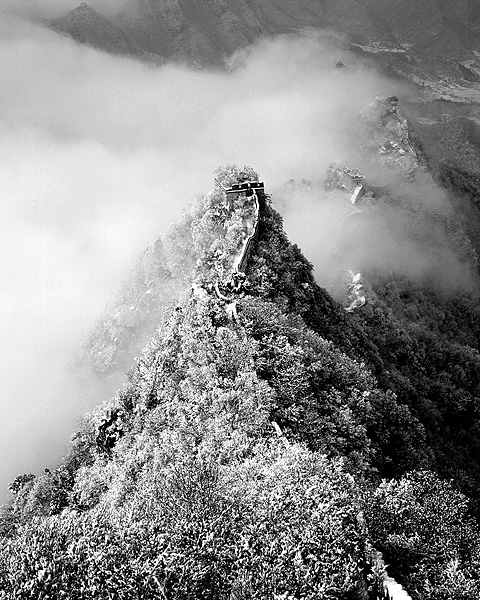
431,41
272,437
184,466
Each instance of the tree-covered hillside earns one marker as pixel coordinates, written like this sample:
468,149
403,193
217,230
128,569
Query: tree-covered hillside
268,444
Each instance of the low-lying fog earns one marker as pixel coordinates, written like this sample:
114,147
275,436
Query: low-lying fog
98,154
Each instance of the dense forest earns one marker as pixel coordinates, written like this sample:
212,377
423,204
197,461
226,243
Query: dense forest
272,455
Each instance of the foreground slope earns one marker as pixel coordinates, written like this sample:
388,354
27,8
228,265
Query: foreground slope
241,458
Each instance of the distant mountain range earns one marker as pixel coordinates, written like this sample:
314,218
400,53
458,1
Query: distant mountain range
434,43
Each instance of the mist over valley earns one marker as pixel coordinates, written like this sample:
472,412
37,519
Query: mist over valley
239,264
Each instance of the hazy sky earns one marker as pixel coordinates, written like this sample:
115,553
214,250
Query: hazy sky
98,155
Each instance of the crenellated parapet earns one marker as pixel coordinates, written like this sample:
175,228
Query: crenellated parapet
243,201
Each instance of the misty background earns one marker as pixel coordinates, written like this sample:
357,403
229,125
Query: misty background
99,154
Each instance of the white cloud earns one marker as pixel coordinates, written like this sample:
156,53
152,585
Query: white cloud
98,154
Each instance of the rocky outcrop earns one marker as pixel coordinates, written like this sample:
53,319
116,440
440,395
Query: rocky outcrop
389,137
347,180
356,293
